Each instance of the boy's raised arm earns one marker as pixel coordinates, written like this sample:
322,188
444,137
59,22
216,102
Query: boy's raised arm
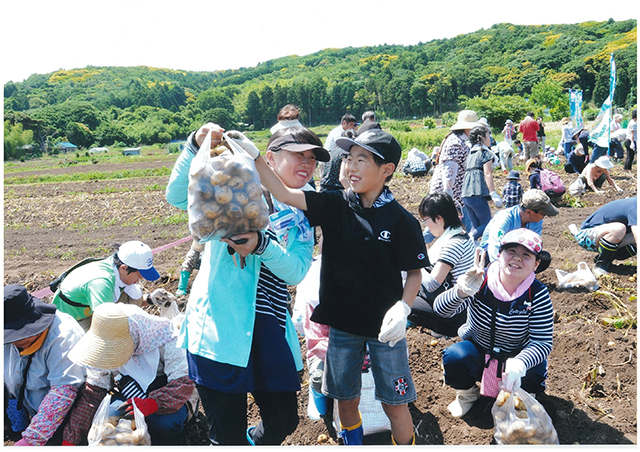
268,177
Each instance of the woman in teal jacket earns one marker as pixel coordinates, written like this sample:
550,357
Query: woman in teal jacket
237,330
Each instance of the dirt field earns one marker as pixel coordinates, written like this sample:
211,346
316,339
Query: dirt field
592,384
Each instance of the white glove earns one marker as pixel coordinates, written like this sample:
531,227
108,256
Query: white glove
469,283
633,145
618,189
245,143
497,200
394,323
162,298
514,370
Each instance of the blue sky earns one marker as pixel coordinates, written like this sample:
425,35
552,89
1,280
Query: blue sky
43,36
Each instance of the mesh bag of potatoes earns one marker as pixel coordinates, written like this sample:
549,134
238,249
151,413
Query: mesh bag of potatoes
225,195
109,429
521,419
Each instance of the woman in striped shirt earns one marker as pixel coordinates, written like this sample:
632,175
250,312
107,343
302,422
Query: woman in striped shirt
509,320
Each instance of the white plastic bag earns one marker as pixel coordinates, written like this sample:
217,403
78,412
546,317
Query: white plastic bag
225,195
374,419
521,419
583,277
578,187
108,430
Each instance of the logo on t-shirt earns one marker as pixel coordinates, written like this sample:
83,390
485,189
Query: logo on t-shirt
385,236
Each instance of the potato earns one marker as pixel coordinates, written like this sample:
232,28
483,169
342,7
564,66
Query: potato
218,164
212,210
124,425
241,226
222,223
500,415
109,442
260,222
232,167
246,174
219,178
252,210
502,398
241,198
108,430
217,151
222,194
233,211
205,192
113,420
236,183
124,439
253,190
519,404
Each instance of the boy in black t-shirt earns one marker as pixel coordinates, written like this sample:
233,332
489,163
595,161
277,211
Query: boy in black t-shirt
369,239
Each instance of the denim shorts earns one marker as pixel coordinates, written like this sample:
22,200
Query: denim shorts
342,378
588,238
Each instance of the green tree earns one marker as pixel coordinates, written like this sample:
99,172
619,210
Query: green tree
14,138
549,94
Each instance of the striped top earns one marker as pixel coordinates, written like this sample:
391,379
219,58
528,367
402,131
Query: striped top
458,252
272,294
524,326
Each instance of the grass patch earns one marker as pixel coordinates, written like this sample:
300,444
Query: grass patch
16,252
90,175
177,218
16,226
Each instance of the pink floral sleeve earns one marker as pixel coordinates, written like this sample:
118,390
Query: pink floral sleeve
51,413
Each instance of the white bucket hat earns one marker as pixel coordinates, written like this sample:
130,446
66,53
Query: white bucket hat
604,162
467,119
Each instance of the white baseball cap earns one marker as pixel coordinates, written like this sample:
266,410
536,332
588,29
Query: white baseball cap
138,255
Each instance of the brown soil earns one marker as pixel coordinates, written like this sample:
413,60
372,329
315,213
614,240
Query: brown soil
48,227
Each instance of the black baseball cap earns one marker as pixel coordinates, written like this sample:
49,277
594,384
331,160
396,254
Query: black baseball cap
289,142
377,141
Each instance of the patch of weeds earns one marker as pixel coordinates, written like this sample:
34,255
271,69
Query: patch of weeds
111,222
10,194
573,201
110,190
154,187
16,226
15,253
131,223
568,234
178,218
69,254
52,253
46,226
77,226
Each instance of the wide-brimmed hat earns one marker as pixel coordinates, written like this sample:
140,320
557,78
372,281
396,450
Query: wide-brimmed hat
604,162
108,344
484,122
513,175
467,119
138,255
24,315
289,142
377,141
538,201
525,237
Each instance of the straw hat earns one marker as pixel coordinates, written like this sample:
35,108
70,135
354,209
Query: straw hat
108,344
467,119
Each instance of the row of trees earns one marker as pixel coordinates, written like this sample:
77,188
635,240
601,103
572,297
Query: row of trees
498,72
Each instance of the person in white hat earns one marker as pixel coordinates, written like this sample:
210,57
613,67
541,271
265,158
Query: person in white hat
135,355
40,381
109,280
508,335
509,132
594,174
448,174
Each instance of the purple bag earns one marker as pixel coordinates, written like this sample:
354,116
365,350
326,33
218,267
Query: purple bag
490,384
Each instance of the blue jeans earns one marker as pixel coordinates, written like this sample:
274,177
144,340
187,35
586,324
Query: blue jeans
566,148
476,208
464,363
166,425
342,378
598,151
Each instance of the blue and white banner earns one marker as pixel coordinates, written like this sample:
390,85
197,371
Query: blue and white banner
575,106
600,132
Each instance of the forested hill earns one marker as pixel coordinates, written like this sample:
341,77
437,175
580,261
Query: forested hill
133,105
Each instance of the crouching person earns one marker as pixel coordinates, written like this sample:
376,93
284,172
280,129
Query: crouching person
40,381
508,333
134,353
